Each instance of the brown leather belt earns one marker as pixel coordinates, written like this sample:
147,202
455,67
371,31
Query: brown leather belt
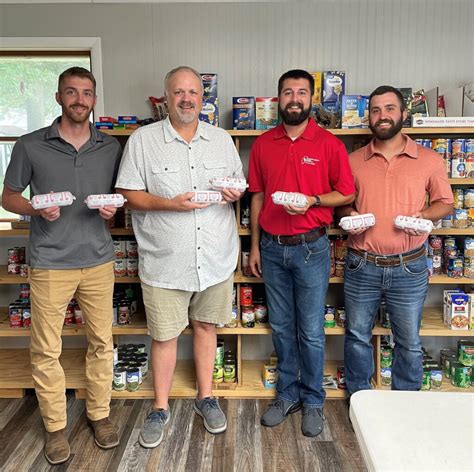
390,261
297,238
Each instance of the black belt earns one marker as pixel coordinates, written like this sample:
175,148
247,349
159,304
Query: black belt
297,238
390,261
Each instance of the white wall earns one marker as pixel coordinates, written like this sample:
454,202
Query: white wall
418,43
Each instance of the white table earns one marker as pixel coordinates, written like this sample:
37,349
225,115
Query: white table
415,431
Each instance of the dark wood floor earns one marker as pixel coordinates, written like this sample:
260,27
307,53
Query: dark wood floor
245,446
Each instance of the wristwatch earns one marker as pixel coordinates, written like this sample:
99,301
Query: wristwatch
317,202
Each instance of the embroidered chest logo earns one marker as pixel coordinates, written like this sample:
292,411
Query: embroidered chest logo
309,160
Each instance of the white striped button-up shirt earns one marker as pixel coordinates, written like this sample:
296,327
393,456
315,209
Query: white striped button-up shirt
182,250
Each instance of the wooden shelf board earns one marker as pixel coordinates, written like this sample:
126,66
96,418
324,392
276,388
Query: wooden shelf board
446,387
432,326
461,181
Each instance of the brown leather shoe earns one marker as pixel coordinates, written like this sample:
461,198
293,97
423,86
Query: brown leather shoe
56,448
105,433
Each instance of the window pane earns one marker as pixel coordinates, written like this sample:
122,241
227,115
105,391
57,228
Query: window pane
27,88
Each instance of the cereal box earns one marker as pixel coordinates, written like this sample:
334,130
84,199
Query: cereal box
243,112
210,111
355,112
317,76
334,86
209,82
266,112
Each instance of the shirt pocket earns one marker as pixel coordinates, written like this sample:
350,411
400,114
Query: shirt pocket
164,180
411,193
215,168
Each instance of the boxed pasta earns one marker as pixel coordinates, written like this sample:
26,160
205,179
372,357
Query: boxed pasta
316,98
209,83
458,311
210,111
266,112
243,112
334,86
355,111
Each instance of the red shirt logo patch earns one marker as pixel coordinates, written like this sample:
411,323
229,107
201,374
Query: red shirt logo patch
309,160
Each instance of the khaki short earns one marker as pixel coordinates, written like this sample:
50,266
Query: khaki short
168,311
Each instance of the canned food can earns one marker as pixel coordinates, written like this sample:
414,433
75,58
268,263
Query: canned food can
455,267
339,268
245,264
131,248
132,267
233,323
15,316
133,379
140,348
120,379
458,147
218,374
436,377
144,365
13,254
460,375
261,313
460,218
120,268
246,298
137,365
469,198
248,316
448,361
119,249
466,352
458,167
329,316
127,218
78,317
23,270
426,383
386,356
427,143
229,370
447,221
26,316
341,378
13,268
123,314
341,317
270,376
219,359
458,196
386,374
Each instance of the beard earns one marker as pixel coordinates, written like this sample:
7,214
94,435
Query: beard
77,116
385,134
188,116
293,118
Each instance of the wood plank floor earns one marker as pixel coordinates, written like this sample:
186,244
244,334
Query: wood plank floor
245,446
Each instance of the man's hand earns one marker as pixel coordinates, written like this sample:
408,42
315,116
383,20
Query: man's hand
413,232
107,212
51,213
231,195
255,262
296,210
357,230
183,202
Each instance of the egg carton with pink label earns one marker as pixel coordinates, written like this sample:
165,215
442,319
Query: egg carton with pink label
289,198
207,196
358,221
53,199
417,224
105,199
220,183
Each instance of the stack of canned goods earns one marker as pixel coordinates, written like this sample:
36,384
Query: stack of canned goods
130,367
334,317
457,153
126,257
459,366
253,307
444,256
338,256
19,311
463,212
225,365
432,373
16,263
73,315
386,359
124,306
233,323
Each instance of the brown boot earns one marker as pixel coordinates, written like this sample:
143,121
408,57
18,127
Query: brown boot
57,449
105,433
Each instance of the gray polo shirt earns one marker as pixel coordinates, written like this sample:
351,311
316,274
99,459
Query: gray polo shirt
182,250
79,237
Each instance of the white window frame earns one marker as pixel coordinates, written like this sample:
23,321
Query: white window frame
92,44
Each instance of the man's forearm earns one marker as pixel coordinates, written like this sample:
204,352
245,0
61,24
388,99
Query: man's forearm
334,199
144,201
436,211
255,208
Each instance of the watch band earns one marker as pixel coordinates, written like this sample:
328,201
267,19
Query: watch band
317,202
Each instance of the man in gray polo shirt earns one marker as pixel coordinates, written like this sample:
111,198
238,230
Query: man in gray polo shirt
188,251
71,254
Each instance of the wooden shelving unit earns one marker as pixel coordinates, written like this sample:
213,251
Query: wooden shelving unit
15,370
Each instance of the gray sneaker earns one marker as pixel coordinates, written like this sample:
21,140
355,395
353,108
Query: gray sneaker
312,423
152,431
277,411
209,410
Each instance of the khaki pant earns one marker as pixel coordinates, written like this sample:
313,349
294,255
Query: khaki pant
51,290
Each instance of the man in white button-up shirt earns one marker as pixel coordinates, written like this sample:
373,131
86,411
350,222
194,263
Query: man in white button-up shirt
188,251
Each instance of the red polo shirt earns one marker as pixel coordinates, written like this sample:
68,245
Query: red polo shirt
315,163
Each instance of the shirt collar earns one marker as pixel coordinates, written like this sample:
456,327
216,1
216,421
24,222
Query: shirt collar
52,132
309,133
170,134
409,150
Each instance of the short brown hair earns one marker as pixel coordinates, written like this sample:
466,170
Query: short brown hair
76,72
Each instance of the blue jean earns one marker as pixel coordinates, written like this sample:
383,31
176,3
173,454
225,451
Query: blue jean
296,282
404,288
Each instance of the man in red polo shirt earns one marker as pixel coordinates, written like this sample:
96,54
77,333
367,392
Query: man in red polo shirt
290,246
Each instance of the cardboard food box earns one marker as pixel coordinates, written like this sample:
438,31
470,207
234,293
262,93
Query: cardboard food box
334,86
209,82
318,78
355,111
210,111
243,112
266,112
458,311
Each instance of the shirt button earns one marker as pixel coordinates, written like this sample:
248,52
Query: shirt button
166,168
199,267
189,147
199,247
194,188
192,167
199,228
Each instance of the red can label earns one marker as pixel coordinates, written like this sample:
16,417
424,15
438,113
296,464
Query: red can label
246,298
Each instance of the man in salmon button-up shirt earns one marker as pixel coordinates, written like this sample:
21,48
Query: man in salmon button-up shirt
392,174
